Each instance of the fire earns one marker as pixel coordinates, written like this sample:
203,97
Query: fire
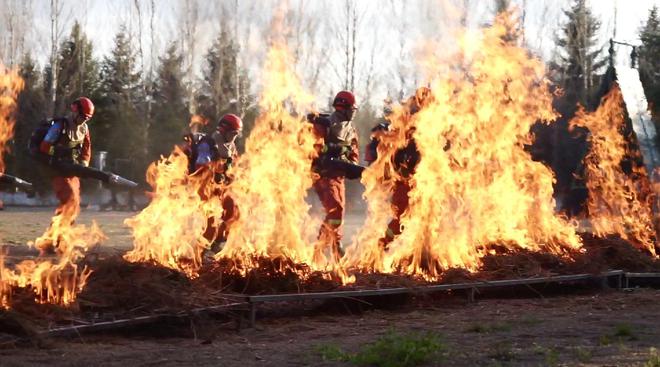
57,280
475,185
618,203
273,176
197,121
170,231
10,85
6,283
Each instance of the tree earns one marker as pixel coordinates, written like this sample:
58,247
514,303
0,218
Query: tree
217,94
575,72
649,63
117,126
16,19
171,117
78,71
56,30
189,21
580,56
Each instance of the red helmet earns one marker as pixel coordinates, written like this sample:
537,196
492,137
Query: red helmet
230,122
84,106
344,99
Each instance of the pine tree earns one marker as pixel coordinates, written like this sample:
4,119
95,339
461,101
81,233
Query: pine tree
581,58
575,72
78,71
217,94
171,116
649,59
117,126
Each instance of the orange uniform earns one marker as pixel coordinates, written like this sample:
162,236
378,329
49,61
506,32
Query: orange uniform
218,152
340,141
68,142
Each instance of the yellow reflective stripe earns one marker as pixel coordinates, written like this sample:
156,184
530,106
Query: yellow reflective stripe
334,222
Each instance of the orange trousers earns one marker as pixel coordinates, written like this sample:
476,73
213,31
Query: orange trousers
219,229
67,191
332,193
399,206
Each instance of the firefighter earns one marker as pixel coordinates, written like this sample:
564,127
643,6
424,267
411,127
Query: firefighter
68,140
404,162
216,152
338,139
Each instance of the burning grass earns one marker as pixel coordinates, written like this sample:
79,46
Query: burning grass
474,184
120,289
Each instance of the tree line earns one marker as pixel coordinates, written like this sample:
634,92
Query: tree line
141,114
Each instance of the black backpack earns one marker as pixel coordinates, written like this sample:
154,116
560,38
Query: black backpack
39,134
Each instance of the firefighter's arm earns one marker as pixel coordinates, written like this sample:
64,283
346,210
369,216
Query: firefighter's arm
47,146
86,152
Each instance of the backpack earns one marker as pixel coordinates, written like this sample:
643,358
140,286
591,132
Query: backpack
195,140
39,134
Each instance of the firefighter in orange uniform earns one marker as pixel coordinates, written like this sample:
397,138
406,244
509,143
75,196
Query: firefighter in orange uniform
68,140
217,152
404,162
339,141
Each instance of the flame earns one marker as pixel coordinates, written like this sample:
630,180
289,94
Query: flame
56,280
10,85
170,231
475,184
196,122
7,282
617,203
273,177
60,280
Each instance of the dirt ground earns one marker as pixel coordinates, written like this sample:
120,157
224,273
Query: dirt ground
18,225
589,328
594,329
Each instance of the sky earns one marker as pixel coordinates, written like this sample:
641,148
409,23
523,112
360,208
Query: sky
390,32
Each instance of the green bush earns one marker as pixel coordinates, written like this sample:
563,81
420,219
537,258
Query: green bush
391,350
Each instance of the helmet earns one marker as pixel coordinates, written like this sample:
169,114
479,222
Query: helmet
344,99
230,122
84,106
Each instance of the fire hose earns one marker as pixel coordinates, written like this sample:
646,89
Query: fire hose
74,169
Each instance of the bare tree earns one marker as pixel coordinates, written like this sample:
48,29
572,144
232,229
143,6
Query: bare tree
346,31
190,19
136,5
303,26
56,30
15,28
